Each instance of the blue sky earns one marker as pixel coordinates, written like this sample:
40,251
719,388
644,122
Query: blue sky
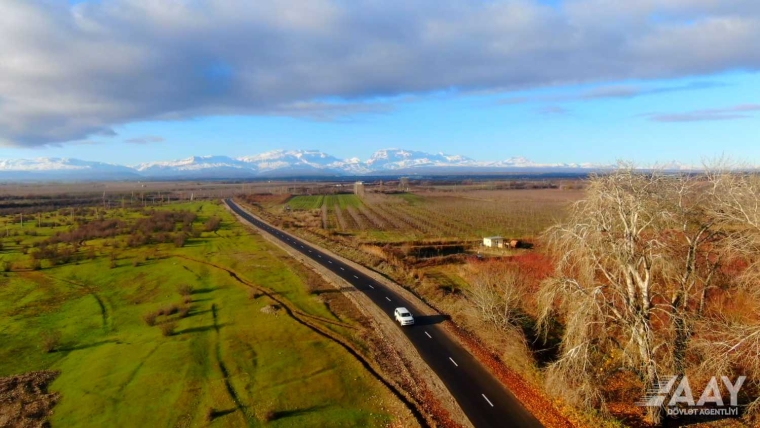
487,90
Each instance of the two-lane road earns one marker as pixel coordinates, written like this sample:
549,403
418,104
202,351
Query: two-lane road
482,398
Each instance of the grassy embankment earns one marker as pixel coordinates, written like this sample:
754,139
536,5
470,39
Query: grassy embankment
225,361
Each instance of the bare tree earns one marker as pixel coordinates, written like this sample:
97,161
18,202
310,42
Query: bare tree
495,293
636,261
732,343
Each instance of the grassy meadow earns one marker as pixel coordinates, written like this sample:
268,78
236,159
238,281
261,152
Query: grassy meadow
210,357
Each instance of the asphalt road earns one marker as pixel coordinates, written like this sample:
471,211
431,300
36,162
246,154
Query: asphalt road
482,398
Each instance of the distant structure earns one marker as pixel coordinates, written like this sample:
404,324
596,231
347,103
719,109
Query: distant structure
359,188
403,184
493,242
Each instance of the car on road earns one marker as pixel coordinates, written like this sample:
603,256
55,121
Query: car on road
403,316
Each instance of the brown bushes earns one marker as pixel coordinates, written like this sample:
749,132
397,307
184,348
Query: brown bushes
169,310
150,318
212,224
156,227
168,328
185,289
270,415
184,311
50,341
179,240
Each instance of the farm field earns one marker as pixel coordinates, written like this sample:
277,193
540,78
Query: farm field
176,332
426,215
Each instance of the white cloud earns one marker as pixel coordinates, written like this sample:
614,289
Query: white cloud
70,72
743,111
147,139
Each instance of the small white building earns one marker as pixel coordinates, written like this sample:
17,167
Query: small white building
493,242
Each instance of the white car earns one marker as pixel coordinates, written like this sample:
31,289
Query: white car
403,316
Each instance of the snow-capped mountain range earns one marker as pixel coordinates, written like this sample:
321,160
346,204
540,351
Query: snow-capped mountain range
280,163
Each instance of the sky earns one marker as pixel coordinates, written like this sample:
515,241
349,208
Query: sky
130,81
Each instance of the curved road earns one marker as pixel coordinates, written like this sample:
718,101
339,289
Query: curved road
484,399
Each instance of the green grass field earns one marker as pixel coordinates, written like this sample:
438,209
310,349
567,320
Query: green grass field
343,201
306,202
248,367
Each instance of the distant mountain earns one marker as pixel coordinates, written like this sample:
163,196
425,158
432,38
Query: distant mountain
283,163
58,168
278,163
196,167
396,159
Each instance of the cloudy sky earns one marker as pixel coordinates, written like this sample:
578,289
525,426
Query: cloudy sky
127,81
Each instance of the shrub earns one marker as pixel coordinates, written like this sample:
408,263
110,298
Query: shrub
212,225
179,240
183,311
36,265
169,310
7,266
50,341
187,300
150,318
210,414
270,415
185,290
167,328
